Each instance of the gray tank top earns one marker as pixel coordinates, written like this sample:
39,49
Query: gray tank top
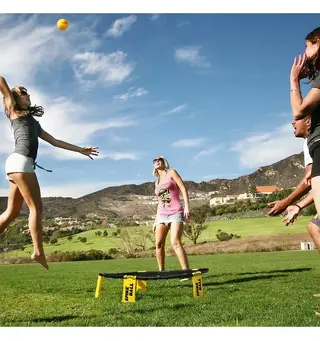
26,131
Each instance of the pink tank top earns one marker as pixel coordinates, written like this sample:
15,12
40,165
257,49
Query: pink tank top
168,192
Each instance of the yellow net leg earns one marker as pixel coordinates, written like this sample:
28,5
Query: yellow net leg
197,284
141,285
99,286
129,289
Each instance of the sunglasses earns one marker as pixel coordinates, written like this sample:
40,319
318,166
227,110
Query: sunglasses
23,92
158,160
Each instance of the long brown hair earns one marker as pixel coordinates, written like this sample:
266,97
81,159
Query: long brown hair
313,63
34,110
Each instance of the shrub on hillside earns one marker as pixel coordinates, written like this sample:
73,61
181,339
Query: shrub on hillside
69,256
54,241
113,251
224,236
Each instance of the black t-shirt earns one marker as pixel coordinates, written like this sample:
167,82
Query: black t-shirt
314,135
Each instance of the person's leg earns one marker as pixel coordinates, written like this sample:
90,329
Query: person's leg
314,231
15,201
161,234
315,185
30,190
176,235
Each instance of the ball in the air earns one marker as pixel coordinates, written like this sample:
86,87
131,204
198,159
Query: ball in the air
62,24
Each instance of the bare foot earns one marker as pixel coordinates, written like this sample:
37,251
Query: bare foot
316,295
317,313
40,259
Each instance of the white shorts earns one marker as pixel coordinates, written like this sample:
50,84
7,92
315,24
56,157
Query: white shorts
168,219
17,163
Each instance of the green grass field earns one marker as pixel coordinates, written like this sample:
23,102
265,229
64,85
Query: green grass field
252,289
244,227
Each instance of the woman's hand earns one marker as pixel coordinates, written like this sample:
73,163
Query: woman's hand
299,68
186,213
88,151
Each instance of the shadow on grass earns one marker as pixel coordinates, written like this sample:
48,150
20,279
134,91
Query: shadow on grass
54,318
258,272
242,280
173,307
276,271
236,280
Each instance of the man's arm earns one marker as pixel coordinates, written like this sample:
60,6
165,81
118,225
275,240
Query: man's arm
308,200
294,210
281,205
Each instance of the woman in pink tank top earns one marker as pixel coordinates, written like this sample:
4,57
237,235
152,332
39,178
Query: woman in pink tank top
170,213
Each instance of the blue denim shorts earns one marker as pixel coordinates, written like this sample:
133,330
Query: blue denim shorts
168,219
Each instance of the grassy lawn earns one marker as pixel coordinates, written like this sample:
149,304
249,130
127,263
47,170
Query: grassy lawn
252,289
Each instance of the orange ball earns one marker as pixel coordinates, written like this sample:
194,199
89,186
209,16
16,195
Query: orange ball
62,24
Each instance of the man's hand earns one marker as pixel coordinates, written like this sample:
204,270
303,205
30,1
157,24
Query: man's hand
292,214
278,207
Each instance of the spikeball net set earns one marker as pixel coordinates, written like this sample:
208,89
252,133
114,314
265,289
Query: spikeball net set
137,280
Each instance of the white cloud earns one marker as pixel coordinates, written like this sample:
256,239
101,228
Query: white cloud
61,154
120,26
263,148
132,92
208,152
109,69
183,23
189,143
191,55
116,156
116,139
76,190
175,110
154,17
27,48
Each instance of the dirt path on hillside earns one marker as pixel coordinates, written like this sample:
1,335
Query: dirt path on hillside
250,244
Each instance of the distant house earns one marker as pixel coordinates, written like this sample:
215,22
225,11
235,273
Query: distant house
228,199
261,192
267,189
246,196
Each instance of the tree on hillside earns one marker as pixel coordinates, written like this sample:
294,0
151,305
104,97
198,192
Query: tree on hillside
193,229
135,238
252,189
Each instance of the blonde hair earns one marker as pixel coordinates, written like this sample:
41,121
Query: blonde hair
35,110
166,166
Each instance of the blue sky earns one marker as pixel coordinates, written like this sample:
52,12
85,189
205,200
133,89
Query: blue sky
209,92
